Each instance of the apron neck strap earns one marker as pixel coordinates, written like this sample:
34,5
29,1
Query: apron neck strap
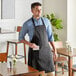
41,20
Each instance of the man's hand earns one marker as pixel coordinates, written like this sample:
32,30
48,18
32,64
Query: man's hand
55,55
33,45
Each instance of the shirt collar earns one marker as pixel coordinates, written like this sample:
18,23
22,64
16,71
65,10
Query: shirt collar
36,19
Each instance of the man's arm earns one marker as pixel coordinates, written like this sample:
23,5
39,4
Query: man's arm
22,34
54,49
31,45
53,46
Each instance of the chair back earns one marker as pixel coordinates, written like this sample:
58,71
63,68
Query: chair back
19,28
3,57
41,73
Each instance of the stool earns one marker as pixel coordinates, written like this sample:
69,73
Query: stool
16,42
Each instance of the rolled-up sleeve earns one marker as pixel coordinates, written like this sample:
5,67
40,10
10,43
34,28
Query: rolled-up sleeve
49,32
23,32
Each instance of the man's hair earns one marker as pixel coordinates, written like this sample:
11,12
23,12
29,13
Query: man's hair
35,4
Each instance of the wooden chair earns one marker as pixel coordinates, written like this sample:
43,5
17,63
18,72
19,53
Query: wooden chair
16,42
60,59
41,73
73,69
3,57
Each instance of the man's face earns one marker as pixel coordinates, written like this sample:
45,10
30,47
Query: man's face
37,10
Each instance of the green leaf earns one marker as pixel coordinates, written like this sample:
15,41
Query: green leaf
56,23
56,37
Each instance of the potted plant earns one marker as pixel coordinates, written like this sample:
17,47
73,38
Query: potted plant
56,25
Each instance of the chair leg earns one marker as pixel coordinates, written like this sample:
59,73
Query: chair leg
62,68
25,53
7,49
15,49
72,73
55,69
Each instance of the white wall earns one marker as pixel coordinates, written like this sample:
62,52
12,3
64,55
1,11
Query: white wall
59,7
22,13
0,8
71,22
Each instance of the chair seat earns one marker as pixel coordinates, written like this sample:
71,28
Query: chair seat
61,59
3,57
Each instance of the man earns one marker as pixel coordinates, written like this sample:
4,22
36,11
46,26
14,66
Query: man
40,34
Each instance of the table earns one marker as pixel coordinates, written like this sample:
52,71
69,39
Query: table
63,51
18,69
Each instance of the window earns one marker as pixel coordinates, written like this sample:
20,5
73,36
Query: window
7,9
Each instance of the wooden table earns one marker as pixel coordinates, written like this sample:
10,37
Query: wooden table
19,68
63,51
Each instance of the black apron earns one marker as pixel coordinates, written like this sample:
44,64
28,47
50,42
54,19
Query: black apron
41,59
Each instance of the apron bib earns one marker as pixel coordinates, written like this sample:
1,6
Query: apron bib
41,59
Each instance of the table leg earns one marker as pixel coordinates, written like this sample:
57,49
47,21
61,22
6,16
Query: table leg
70,66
